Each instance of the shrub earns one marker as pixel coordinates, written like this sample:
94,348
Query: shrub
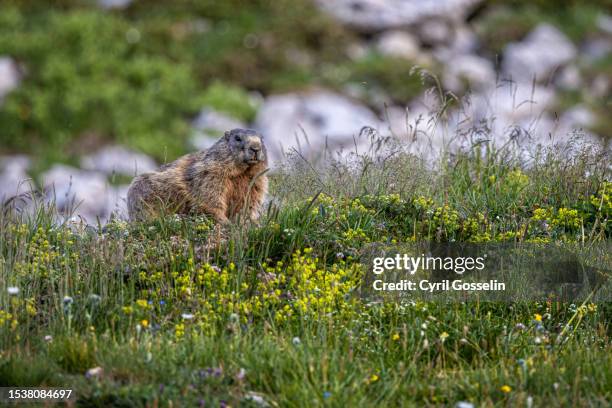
231,100
87,72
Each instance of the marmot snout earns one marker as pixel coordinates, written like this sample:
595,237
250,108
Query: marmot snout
220,182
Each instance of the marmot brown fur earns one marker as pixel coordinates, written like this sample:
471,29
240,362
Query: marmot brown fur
218,182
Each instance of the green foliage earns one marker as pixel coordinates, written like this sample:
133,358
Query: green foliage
73,354
249,43
504,22
84,76
395,76
254,43
137,76
25,371
503,25
231,100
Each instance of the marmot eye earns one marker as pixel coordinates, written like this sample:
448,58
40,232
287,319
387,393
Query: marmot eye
238,139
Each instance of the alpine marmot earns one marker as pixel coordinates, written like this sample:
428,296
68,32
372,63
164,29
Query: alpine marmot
221,181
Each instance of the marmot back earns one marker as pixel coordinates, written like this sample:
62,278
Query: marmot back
219,182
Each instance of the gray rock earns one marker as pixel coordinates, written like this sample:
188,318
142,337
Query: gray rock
596,49
117,159
579,115
14,179
211,120
499,114
396,120
493,113
538,55
569,130
435,32
202,141
476,71
209,125
512,101
601,86
9,76
380,15
515,113
420,131
604,23
398,44
357,51
17,164
464,40
309,122
78,193
417,128
569,78
114,4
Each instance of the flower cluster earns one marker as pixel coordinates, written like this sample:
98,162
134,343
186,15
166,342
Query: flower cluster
304,288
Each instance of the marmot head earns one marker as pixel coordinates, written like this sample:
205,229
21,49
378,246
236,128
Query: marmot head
246,145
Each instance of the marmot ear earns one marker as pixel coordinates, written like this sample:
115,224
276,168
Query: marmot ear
227,135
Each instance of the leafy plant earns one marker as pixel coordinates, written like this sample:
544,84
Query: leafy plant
88,75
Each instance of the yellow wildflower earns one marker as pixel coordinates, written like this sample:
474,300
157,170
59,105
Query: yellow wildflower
179,330
142,303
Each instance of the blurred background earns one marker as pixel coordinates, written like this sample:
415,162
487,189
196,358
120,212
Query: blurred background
93,92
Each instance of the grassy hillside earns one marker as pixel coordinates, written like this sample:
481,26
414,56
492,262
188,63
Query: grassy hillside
168,314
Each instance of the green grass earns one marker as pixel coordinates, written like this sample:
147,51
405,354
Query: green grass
172,316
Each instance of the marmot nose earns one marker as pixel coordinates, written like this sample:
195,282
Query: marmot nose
255,149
